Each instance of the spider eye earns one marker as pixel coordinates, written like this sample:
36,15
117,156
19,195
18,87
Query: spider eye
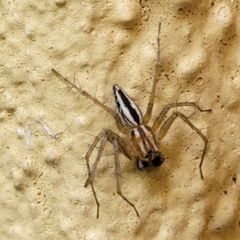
158,160
142,164
149,155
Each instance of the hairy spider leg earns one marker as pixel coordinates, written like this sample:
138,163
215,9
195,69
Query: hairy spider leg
149,109
120,126
118,174
118,143
165,127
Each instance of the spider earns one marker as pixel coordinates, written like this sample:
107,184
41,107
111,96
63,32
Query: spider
141,143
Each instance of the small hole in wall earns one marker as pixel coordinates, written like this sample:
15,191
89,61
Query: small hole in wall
234,179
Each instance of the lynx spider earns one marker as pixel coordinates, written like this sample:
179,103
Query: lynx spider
141,142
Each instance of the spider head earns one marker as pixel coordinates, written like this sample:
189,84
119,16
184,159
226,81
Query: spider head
155,159
158,160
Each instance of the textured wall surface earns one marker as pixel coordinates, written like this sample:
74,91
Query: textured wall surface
46,128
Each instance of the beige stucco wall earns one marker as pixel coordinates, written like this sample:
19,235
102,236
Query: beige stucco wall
99,44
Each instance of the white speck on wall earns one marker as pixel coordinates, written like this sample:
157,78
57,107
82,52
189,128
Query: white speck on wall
26,134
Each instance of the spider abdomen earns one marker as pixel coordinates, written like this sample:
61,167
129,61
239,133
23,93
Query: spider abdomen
128,111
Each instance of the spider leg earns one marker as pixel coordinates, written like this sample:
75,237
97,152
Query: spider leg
118,174
119,145
93,99
168,124
148,113
84,93
160,117
91,174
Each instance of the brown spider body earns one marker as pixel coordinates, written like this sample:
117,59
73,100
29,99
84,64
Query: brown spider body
141,142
